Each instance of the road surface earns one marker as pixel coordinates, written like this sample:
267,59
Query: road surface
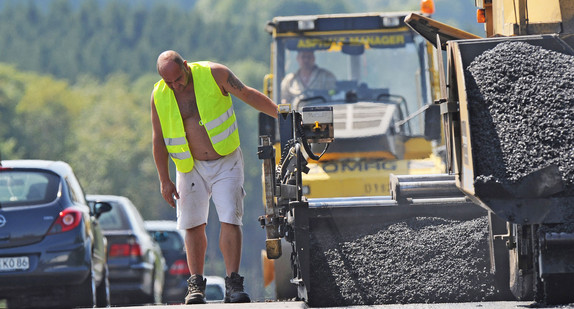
302,305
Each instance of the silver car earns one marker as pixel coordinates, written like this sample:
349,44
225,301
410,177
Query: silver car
135,259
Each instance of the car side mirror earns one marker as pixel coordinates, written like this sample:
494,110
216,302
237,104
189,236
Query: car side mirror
101,207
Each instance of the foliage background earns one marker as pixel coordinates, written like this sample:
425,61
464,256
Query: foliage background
76,78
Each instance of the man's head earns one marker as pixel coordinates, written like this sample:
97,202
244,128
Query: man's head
306,59
174,70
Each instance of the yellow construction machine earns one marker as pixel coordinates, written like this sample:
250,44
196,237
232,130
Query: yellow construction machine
528,192
507,113
349,153
384,74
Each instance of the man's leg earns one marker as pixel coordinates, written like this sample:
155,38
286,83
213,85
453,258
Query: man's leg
192,211
230,242
195,247
228,194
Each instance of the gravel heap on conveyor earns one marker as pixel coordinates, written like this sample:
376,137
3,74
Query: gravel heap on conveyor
521,104
420,260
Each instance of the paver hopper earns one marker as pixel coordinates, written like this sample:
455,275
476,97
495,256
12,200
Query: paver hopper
532,240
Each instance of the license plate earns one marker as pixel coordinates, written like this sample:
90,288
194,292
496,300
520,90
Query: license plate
14,263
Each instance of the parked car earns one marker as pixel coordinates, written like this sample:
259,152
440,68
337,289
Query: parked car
135,259
172,243
52,250
214,288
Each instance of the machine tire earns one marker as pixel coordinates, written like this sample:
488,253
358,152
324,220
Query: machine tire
558,289
521,283
538,284
521,266
555,289
284,289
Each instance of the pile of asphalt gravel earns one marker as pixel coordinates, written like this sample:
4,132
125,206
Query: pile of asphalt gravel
521,109
521,105
420,260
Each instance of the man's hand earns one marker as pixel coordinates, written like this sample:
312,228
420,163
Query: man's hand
169,192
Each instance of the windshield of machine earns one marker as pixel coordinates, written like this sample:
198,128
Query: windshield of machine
369,67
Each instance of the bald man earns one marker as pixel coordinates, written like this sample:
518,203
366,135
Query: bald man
194,123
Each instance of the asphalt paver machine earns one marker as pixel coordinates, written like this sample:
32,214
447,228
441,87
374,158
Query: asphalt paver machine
531,215
366,152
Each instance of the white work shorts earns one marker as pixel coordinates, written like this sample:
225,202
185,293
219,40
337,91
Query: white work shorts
220,179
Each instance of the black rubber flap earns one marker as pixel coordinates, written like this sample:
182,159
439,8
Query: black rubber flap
544,182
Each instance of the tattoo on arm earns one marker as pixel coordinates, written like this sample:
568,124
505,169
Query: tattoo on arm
234,81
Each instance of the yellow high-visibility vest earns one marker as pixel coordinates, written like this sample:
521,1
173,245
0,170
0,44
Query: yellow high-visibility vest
215,111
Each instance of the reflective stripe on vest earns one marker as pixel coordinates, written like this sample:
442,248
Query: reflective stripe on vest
219,120
181,155
178,141
225,134
175,141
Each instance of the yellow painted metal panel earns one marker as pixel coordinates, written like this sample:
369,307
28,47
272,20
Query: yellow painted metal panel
417,148
466,176
544,11
349,178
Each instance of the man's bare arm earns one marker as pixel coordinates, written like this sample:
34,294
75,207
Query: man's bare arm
234,82
231,84
161,159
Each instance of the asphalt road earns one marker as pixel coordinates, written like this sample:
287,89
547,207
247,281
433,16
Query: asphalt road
296,304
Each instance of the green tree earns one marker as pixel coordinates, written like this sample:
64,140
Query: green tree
113,134
11,90
41,110
90,102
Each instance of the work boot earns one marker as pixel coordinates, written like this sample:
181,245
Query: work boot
234,289
195,290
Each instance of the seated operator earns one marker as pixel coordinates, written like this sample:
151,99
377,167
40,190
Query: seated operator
309,76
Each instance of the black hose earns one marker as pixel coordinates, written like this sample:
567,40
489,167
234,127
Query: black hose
306,145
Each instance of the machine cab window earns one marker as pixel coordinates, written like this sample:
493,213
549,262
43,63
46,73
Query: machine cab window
376,77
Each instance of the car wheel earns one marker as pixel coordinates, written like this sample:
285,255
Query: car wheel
103,290
84,295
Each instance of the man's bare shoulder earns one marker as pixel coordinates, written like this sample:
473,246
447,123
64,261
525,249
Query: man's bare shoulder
217,67
219,71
